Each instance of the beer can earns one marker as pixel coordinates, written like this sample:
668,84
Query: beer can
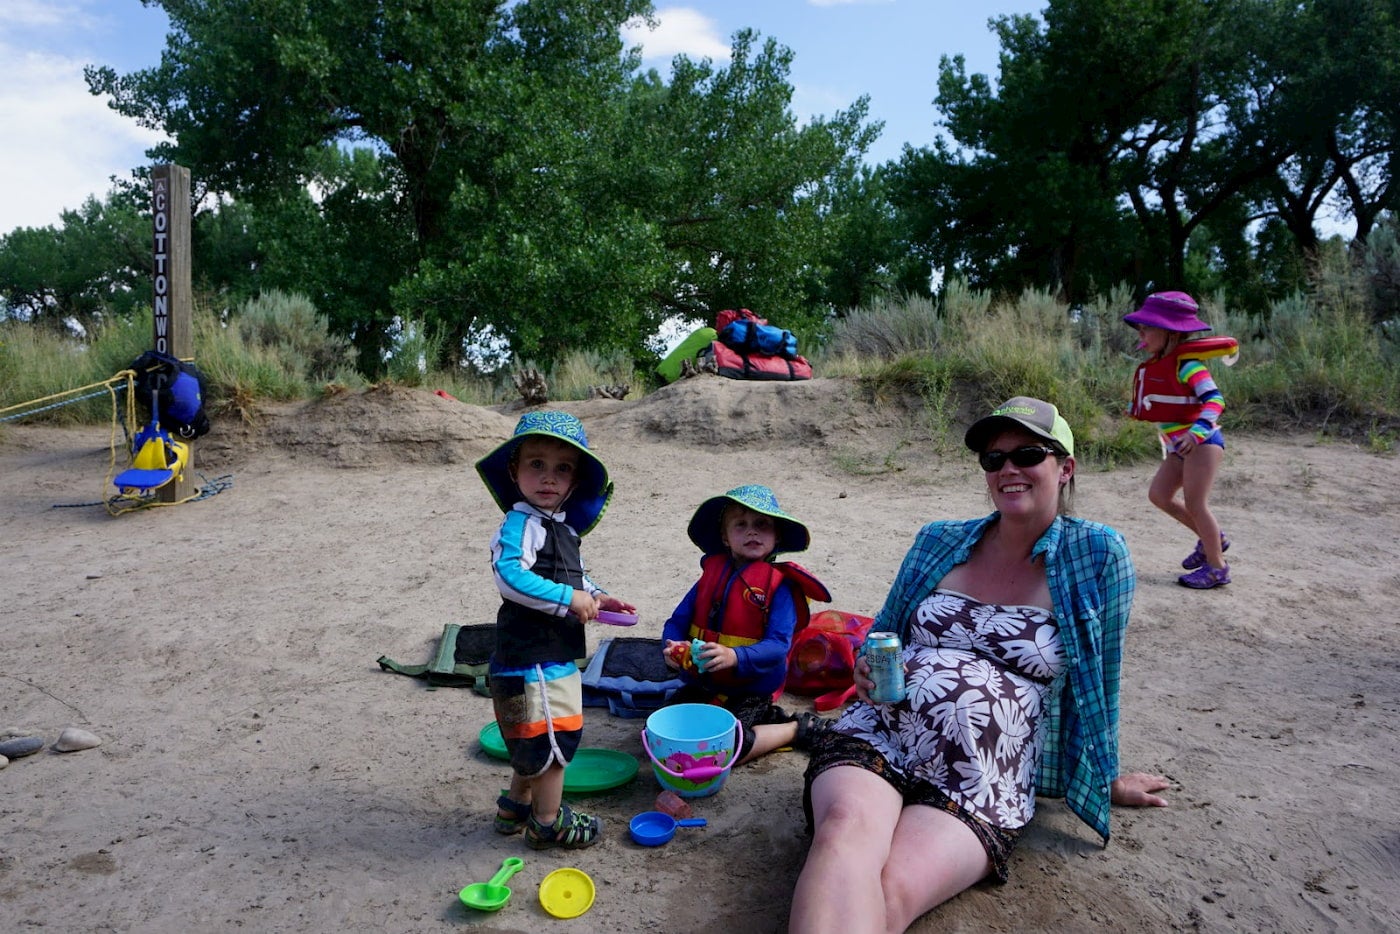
886,657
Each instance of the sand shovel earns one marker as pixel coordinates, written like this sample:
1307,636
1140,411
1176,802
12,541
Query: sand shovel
493,895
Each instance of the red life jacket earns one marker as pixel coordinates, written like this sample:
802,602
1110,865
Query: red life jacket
1160,396
732,606
737,364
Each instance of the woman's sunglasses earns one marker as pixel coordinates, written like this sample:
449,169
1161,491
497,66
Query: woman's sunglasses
1028,456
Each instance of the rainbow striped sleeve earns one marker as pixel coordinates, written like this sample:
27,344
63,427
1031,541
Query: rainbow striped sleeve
1194,374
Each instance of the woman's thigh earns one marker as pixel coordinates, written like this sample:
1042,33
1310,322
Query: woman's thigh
933,857
855,809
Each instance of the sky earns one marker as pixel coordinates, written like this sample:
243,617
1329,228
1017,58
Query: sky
64,145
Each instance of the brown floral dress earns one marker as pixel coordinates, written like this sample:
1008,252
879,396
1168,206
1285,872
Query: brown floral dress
976,679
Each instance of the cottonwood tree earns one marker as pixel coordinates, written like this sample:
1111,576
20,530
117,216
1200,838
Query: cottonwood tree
532,185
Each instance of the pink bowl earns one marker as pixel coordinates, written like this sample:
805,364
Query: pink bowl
617,619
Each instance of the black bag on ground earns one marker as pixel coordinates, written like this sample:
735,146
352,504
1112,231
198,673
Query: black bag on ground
629,677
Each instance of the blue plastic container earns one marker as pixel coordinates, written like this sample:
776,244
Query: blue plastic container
692,747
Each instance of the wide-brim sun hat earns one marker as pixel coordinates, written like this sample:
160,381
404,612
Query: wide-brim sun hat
592,490
705,530
1038,417
1170,311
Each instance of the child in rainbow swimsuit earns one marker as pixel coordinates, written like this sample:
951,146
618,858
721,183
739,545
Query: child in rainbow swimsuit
1174,389
729,636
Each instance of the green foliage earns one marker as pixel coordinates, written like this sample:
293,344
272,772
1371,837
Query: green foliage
511,173
1319,361
1381,262
94,267
574,375
36,363
1141,141
889,328
414,352
1316,362
291,328
276,347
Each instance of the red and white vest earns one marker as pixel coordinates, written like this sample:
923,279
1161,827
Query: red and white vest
731,605
1158,392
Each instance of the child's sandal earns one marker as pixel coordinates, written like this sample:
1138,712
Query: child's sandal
570,830
518,814
809,727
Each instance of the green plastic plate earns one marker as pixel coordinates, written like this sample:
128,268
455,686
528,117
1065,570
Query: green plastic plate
492,742
593,769
596,769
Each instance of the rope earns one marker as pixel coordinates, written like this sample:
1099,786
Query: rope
130,503
58,405
124,503
125,376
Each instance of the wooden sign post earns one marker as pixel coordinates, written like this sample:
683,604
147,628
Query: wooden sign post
173,330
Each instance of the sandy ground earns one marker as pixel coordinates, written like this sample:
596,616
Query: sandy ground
259,771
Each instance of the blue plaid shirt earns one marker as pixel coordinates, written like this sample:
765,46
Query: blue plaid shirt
1091,582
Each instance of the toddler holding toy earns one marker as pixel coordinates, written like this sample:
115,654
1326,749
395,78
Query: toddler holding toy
553,490
730,634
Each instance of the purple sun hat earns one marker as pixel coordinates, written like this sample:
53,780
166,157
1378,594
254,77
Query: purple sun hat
1170,311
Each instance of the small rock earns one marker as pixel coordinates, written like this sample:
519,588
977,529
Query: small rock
21,746
4,762
72,739
94,575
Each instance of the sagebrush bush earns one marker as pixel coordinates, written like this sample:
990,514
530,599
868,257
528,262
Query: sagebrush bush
290,327
1322,360
1316,361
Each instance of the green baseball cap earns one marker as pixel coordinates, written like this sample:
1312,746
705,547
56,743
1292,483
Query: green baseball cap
1038,417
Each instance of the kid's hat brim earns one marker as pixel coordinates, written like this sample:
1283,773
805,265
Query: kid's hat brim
705,531
1170,311
1038,417
592,491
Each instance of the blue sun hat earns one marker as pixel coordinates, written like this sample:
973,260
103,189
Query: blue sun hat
705,529
592,491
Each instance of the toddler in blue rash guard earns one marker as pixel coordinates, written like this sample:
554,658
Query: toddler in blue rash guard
553,490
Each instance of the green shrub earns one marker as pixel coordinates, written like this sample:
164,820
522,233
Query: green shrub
575,374
291,329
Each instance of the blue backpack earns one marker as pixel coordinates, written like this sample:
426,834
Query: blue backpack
747,333
179,390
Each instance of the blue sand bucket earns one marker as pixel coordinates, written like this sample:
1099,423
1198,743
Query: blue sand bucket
692,747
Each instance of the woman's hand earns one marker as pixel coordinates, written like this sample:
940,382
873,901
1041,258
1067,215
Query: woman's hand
1135,789
861,674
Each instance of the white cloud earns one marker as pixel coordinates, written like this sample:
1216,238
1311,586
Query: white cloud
679,31
21,14
63,144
